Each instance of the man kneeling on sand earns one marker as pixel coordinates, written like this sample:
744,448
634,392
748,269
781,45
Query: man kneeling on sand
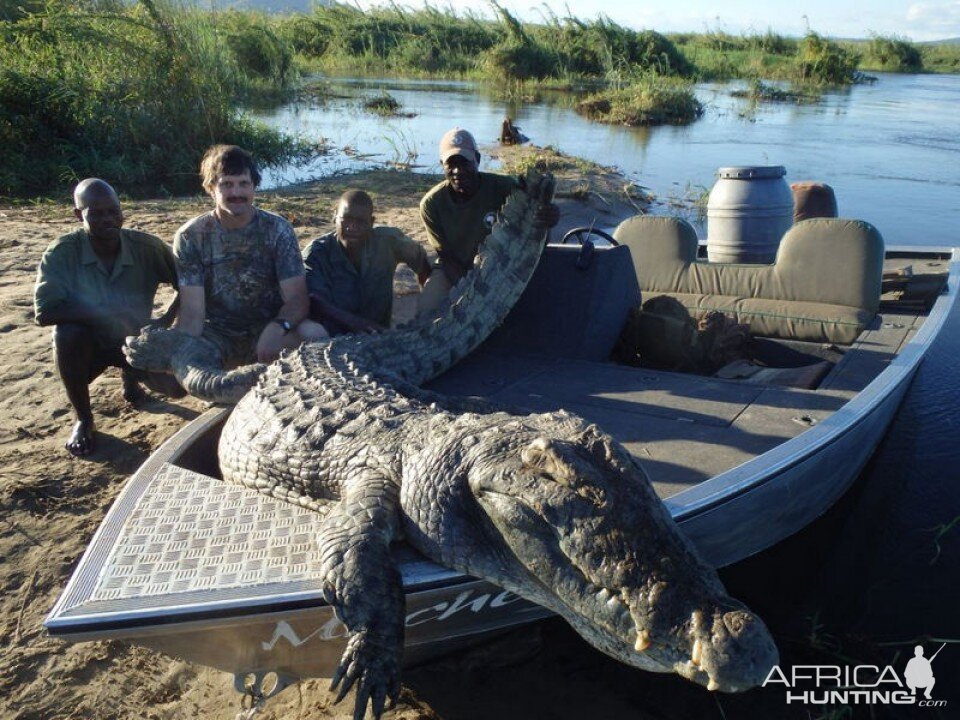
241,274
350,271
96,286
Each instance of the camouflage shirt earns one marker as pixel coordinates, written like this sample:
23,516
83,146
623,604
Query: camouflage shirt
240,270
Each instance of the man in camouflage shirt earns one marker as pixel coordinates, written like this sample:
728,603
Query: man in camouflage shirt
241,275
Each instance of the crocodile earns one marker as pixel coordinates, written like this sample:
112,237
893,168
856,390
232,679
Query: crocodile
543,505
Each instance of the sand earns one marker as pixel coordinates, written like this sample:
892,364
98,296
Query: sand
52,504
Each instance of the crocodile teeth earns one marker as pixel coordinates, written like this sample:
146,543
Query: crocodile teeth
697,652
643,641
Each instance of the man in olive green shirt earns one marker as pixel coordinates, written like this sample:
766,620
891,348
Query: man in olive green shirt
459,213
96,286
350,271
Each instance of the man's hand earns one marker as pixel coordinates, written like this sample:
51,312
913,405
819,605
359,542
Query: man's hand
547,216
270,342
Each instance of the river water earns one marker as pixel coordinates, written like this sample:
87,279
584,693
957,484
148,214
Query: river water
886,568
889,149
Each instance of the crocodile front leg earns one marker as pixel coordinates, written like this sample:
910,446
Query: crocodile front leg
364,588
194,361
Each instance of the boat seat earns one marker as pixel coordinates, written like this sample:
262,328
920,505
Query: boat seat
824,285
574,306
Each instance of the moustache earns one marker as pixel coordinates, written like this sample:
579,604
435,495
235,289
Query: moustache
236,199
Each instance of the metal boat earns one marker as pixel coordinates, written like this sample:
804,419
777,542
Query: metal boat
222,576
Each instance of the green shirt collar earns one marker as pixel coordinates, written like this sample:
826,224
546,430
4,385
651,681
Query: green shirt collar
88,256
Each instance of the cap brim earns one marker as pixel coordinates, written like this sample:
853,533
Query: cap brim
470,155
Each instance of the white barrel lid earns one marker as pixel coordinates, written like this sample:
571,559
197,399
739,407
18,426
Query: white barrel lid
746,172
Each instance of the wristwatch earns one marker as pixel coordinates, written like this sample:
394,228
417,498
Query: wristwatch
285,324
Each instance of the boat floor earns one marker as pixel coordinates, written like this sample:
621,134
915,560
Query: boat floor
683,428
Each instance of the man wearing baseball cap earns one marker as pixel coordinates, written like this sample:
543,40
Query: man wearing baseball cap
459,213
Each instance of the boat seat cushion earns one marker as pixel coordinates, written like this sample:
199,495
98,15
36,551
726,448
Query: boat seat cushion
824,285
574,306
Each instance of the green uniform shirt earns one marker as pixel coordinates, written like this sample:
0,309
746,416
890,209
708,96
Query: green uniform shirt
239,270
70,271
457,229
367,292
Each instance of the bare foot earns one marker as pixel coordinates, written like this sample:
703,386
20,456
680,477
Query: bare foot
81,441
132,392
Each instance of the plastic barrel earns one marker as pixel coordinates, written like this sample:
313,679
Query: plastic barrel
749,210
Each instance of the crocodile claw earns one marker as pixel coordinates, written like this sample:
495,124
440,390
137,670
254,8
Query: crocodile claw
375,666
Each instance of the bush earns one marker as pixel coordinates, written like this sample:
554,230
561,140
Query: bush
651,100
134,96
892,54
256,48
821,61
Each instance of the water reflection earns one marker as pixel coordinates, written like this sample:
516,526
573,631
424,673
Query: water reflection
883,147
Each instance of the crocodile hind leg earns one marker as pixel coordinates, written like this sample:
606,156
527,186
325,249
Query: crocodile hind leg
364,588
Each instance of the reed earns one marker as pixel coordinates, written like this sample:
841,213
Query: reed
130,93
823,61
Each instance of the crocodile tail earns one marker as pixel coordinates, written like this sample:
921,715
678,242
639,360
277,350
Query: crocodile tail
427,347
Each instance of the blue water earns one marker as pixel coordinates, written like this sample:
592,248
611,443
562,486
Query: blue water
890,150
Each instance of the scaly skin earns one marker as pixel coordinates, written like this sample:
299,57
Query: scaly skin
542,505
194,361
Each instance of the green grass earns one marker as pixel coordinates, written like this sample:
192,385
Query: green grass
133,94
650,100
759,91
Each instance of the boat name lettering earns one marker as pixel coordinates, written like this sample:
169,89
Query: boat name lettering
444,610
333,629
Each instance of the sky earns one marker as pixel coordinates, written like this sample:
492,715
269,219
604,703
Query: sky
917,21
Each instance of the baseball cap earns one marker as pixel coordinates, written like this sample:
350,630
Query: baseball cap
458,142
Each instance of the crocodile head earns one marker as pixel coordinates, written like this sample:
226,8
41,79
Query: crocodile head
570,522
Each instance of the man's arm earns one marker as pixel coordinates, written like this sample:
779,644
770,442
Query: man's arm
411,253
191,280
77,311
193,310
452,268
324,311
274,338
296,304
